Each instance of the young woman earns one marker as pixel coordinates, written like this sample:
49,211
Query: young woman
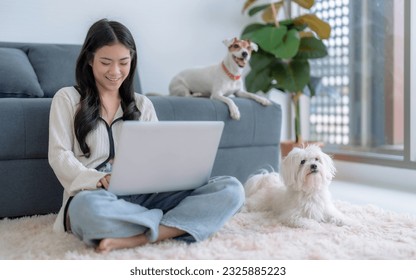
85,122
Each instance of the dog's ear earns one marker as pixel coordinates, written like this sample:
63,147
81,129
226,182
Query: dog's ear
229,42
329,165
254,46
288,169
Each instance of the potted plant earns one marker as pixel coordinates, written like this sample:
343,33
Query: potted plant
285,48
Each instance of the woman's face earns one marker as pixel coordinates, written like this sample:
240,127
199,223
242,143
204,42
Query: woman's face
111,66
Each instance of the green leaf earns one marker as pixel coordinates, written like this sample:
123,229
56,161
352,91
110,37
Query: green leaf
261,59
289,46
311,48
259,80
275,40
311,88
247,32
247,4
292,76
286,22
291,24
268,37
257,9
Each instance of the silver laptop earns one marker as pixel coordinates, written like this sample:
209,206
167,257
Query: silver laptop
164,156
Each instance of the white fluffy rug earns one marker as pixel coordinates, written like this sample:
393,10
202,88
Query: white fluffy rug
382,235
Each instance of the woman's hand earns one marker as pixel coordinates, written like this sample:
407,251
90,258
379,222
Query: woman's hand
104,182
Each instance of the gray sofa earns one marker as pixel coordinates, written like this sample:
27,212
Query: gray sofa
30,74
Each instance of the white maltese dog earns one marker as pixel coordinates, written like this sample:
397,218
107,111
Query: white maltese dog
299,195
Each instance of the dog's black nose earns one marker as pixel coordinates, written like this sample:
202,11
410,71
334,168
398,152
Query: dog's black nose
244,54
314,166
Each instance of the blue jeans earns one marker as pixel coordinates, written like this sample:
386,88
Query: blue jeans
99,214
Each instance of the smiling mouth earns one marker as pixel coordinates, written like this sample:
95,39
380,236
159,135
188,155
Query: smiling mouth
241,62
113,79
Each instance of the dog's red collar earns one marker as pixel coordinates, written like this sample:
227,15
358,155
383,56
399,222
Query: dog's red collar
231,76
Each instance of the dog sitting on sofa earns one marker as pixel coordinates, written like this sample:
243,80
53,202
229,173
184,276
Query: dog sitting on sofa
221,80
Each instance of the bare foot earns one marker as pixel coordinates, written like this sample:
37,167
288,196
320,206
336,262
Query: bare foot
108,244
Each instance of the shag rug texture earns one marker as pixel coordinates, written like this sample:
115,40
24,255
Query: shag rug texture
248,235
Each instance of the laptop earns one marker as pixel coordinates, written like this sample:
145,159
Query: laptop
164,156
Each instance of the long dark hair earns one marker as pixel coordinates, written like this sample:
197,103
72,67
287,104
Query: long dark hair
102,33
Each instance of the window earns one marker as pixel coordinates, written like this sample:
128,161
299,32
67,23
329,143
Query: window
362,105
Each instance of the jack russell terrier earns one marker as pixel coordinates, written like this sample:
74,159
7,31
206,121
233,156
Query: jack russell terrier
221,80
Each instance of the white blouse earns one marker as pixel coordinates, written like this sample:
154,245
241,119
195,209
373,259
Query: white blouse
75,171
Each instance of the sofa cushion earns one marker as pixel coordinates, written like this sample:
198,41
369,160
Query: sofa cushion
17,77
54,65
